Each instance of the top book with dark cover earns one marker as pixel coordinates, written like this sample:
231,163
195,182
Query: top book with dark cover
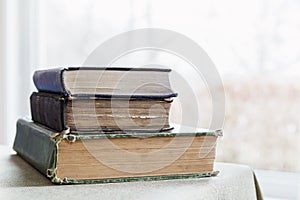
106,82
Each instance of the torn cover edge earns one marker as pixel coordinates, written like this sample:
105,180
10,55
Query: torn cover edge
51,172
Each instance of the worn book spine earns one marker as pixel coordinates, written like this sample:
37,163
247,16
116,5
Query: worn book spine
50,80
35,145
48,109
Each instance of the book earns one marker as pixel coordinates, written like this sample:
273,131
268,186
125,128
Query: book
67,158
107,82
82,114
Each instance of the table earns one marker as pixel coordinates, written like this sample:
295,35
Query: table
18,180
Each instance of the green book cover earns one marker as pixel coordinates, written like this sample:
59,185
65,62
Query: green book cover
55,154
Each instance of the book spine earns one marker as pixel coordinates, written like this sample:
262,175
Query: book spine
50,80
34,145
48,110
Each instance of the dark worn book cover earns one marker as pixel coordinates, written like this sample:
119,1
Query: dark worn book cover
50,109
40,147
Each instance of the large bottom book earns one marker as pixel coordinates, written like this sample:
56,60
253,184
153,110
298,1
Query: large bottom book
68,158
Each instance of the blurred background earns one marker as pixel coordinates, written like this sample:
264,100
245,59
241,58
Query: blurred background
254,44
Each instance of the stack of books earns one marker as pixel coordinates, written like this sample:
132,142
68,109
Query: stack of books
97,125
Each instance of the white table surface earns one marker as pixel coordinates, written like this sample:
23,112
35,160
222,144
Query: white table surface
18,180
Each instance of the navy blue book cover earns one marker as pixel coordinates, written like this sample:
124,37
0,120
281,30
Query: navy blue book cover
52,80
